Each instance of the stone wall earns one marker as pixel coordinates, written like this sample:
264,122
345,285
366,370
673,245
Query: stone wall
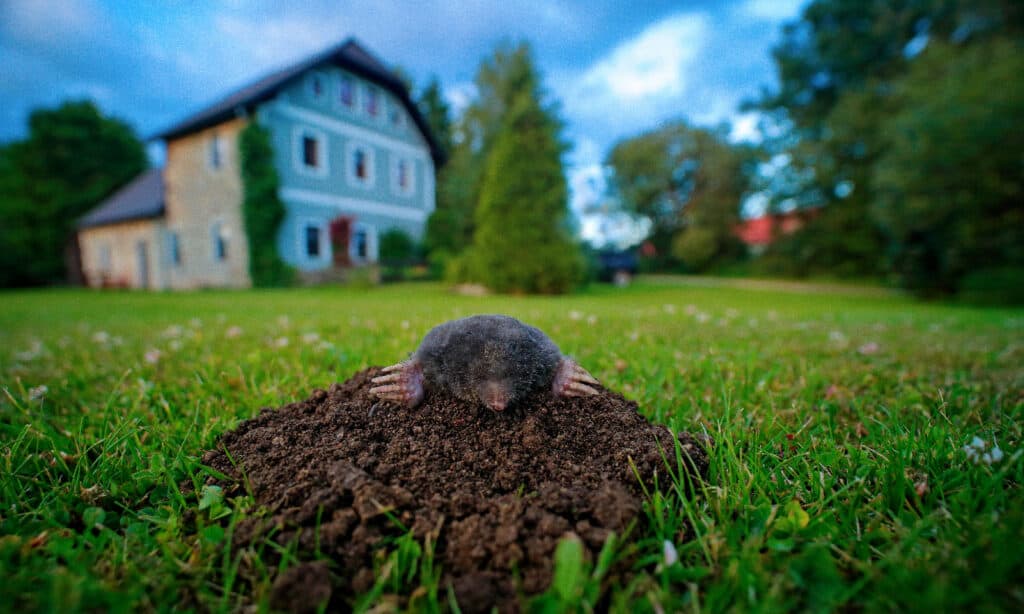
112,256
202,199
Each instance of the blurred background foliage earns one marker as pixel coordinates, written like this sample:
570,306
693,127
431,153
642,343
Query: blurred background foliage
896,125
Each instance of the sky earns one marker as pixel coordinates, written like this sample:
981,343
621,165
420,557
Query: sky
616,68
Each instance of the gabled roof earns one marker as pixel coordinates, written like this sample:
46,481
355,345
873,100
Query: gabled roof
142,198
349,55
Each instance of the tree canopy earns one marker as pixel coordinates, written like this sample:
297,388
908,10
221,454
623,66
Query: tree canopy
73,158
690,182
880,107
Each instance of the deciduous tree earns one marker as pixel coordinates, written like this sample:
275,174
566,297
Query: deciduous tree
73,158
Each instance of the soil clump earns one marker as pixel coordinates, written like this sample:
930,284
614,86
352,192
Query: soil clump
495,492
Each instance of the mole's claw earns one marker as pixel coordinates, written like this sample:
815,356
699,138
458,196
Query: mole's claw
578,389
403,384
572,380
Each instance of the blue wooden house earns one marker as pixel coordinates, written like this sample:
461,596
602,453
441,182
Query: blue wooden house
354,155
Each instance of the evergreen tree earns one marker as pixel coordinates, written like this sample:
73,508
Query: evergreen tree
262,209
451,227
521,243
438,115
73,158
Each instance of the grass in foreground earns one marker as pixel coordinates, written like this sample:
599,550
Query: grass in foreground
839,479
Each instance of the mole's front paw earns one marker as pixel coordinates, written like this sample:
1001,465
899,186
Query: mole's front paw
401,383
572,380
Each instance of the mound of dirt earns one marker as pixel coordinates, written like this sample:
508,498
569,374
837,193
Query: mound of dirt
494,491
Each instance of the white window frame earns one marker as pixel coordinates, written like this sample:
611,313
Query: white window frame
300,240
381,108
105,259
220,232
396,188
216,147
371,165
371,243
324,86
174,246
356,98
399,110
298,161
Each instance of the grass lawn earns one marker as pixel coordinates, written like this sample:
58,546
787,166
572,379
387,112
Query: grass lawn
839,477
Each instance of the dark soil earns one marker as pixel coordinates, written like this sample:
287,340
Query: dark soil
495,491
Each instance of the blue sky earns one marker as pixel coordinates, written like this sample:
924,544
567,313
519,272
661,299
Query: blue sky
617,68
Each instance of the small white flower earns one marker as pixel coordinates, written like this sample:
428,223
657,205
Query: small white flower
37,393
173,332
195,322
575,315
868,348
101,336
702,317
281,342
591,319
690,310
405,324
669,308
731,313
670,556
174,345
310,338
836,336
153,355
978,451
283,321
35,350
233,332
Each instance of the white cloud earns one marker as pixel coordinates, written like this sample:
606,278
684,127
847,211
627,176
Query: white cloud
47,21
771,10
653,64
459,96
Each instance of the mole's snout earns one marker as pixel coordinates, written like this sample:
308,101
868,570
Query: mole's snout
495,396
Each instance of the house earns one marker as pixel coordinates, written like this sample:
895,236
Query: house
354,156
759,232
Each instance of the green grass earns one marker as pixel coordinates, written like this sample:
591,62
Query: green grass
839,477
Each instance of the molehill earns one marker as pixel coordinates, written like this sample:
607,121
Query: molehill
494,491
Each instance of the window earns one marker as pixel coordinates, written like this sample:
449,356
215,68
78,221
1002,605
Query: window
360,167
316,86
310,155
347,93
219,235
313,238
402,179
106,259
360,245
395,115
372,102
214,149
175,247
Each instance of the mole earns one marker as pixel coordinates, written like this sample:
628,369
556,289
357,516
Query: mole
493,360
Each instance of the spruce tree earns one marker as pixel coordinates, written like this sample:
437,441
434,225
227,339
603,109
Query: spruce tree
521,243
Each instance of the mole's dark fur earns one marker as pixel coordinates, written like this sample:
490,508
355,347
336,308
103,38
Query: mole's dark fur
492,360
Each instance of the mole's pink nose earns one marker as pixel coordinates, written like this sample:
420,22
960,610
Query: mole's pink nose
495,396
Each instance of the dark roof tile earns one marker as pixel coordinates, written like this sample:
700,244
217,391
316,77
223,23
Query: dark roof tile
349,55
142,198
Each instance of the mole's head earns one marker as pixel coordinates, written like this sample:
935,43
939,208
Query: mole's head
497,394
